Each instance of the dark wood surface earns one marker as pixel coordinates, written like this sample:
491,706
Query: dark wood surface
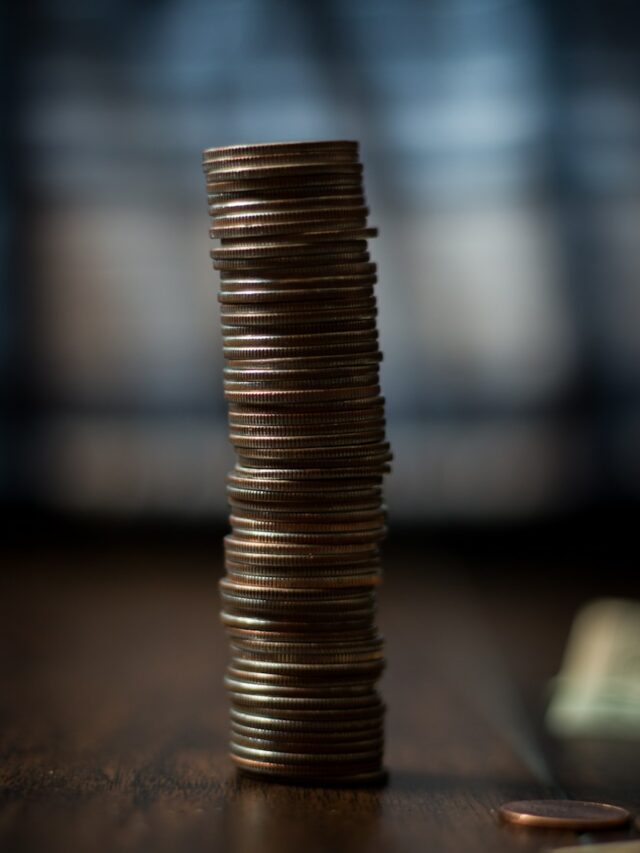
113,717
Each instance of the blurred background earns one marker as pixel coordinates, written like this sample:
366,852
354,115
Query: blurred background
500,141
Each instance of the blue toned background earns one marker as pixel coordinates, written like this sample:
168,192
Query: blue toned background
500,142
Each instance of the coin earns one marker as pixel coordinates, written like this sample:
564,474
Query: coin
282,147
306,419
575,815
294,214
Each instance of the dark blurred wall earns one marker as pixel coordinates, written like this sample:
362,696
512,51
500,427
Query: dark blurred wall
501,144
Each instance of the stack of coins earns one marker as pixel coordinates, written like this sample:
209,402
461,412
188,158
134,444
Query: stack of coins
307,423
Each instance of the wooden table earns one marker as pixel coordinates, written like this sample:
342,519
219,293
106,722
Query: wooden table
113,715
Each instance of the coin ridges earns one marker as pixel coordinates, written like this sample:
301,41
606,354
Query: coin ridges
298,315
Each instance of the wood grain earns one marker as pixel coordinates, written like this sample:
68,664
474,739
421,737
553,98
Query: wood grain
113,717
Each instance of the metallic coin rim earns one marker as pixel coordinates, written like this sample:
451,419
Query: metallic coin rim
519,812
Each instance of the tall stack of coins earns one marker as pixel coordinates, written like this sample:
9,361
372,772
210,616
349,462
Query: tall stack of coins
307,423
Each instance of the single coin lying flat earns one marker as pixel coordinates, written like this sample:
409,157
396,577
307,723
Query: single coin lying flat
564,814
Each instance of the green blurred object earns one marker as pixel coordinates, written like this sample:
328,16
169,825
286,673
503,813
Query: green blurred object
597,692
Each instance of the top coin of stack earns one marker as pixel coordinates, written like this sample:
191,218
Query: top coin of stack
307,423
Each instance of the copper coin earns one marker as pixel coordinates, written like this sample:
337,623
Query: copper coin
564,814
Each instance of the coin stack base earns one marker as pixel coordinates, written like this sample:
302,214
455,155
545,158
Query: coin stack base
306,420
